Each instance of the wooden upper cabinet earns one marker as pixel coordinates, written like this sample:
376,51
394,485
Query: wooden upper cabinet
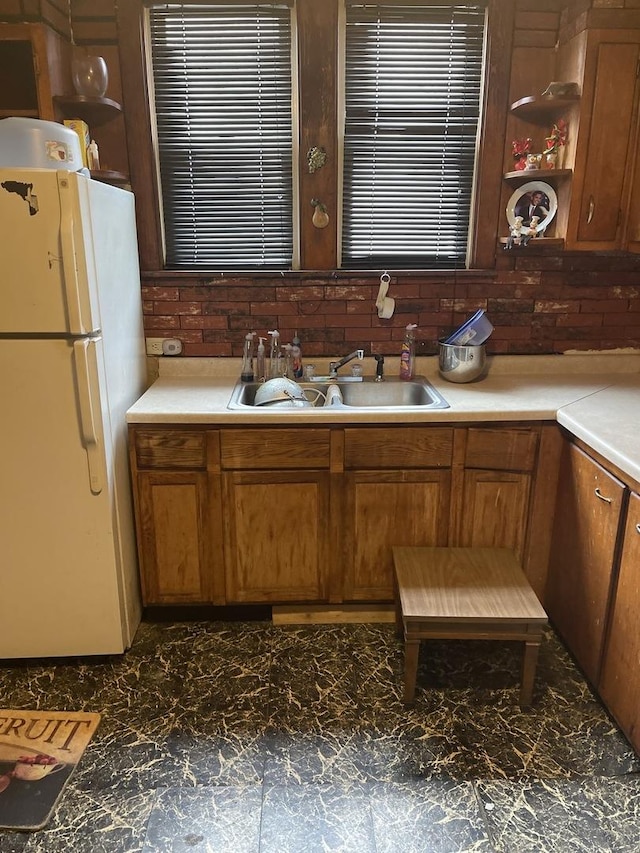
605,180
585,535
35,65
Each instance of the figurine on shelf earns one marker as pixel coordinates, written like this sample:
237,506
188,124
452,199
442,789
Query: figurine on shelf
532,162
515,234
519,150
555,143
530,232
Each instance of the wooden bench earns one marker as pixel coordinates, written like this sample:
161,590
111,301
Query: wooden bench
465,593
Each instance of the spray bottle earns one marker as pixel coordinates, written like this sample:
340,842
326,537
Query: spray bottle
246,374
274,355
408,353
261,371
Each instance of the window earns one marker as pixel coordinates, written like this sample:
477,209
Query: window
222,87
413,77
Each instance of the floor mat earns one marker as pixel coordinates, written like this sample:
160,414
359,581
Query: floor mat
38,753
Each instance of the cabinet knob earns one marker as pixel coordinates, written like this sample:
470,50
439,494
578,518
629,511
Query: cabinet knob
591,210
602,497
638,528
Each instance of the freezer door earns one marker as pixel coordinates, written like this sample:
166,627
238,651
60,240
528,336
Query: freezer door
61,580
47,284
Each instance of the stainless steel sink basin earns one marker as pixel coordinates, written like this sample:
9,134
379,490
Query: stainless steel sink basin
392,393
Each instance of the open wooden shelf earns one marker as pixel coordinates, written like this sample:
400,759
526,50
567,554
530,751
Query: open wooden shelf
540,110
536,174
108,176
95,111
536,243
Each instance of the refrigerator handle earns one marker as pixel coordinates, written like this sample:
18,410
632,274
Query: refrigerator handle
71,283
87,371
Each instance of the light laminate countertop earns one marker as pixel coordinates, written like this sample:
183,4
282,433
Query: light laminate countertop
595,396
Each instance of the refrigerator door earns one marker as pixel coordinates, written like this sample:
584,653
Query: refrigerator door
48,279
62,579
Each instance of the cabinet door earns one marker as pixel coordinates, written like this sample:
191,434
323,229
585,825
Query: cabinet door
589,506
387,508
178,539
605,158
495,508
277,542
620,679
35,65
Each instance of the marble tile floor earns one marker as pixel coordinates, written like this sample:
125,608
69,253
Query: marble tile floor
250,738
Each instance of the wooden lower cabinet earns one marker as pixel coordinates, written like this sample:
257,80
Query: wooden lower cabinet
386,508
494,510
620,679
581,569
277,537
174,525
177,500
311,514
397,484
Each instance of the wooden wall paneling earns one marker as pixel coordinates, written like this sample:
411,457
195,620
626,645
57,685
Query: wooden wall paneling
318,70
486,212
142,159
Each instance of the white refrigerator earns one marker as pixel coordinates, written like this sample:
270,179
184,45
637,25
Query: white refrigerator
72,361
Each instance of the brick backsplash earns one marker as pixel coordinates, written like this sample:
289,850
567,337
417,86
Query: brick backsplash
537,304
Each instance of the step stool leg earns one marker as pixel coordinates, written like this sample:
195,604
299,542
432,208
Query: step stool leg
529,663
411,650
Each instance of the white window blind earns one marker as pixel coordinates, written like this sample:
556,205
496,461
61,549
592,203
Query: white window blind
412,101
223,93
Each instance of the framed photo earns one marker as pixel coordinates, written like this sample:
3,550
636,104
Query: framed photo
534,198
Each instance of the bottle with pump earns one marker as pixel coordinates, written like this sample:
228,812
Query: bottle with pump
296,357
246,374
261,370
408,352
274,355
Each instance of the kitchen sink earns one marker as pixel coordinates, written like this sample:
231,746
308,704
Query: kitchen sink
391,393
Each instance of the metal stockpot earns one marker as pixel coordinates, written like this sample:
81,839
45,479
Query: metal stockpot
461,363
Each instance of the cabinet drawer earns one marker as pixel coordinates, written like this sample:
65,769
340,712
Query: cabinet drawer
170,449
398,447
275,448
501,449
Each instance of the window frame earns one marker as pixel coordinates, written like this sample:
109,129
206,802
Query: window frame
342,88
317,125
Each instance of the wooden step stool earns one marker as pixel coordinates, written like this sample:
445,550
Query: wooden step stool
465,594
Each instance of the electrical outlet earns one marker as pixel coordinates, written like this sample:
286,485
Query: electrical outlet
154,346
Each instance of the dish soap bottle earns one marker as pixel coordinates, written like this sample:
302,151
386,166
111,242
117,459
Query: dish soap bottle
246,374
296,357
408,352
261,373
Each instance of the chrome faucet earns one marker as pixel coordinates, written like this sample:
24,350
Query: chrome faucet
334,366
